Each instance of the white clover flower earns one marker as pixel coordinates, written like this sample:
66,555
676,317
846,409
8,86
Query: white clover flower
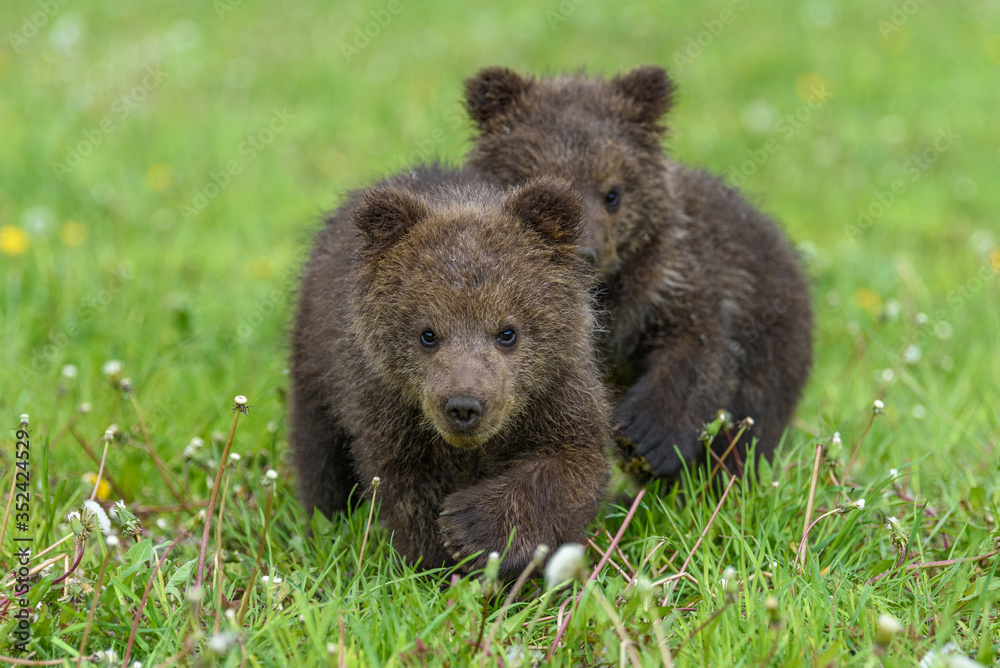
921,319
565,564
69,371
162,524
912,354
893,473
103,523
84,407
891,309
111,541
836,442
331,648
231,615
886,375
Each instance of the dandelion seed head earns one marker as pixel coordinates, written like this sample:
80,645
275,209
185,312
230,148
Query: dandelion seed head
271,474
103,523
240,400
113,369
222,642
886,629
565,564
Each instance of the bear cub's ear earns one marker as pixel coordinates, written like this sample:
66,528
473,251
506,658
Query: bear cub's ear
492,91
386,214
550,207
650,89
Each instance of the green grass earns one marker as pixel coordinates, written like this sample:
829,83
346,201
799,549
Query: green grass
115,257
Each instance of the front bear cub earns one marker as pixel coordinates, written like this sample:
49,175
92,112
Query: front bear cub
448,349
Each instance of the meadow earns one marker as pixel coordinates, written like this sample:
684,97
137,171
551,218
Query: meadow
162,168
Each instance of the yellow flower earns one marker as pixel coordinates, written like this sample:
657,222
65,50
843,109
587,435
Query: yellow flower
868,300
103,490
812,88
73,233
13,240
995,259
159,177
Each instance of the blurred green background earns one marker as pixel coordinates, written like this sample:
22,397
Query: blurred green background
163,164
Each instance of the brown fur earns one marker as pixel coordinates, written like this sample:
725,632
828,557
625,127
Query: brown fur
709,308
442,252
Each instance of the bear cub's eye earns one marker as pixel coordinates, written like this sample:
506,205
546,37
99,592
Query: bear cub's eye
612,199
428,338
507,337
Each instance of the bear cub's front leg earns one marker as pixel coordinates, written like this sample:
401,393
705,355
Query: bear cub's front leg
548,501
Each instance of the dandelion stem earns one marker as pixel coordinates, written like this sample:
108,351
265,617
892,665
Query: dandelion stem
97,460
211,502
368,524
810,502
100,471
857,448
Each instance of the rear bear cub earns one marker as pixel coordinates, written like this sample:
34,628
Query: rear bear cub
709,308
449,350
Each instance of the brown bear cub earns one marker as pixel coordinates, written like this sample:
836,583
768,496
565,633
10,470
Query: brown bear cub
708,306
449,350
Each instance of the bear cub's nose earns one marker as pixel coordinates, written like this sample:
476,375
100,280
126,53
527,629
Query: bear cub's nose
464,411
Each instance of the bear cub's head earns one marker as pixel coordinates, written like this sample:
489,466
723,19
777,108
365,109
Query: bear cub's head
471,301
603,136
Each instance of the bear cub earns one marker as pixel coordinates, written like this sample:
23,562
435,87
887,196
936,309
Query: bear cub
449,350
709,308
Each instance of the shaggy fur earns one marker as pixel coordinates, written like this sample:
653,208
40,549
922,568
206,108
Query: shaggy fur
403,367
709,308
